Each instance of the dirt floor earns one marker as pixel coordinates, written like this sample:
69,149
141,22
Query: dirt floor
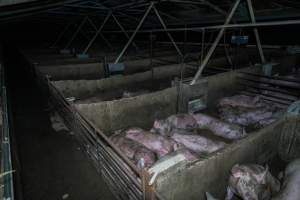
52,165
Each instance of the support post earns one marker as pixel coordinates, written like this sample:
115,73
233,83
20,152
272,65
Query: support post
134,33
255,30
216,42
76,33
166,29
124,31
148,190
202,45
97,33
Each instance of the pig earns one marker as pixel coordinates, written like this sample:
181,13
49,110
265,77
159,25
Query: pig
248,117
179,121
252,182
157,143
134,151
163,127
219,128
291,185
197,143
241,101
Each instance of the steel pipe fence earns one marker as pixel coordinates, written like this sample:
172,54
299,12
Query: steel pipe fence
124,179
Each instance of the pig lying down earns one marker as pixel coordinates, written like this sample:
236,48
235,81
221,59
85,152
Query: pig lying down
248,111
138,144
219,128
134,151
180,121
241,101
159,144
198,121
196,143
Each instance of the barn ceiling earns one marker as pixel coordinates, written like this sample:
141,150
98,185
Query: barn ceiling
129,12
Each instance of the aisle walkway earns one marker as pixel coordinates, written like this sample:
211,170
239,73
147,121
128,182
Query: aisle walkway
53,166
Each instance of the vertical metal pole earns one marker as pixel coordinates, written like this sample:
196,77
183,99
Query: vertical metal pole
151,50
166,29
202,45
61,35
97,33
135,32
226,51
76,33
214,45
185,40
124,31
258,42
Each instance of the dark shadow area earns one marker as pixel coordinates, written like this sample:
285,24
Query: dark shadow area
52,164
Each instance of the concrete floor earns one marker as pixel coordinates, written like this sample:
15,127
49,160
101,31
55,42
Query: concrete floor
52,165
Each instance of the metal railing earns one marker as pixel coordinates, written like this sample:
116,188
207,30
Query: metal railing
6,154
124,179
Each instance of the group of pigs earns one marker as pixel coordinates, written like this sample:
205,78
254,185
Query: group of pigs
176,133
255,182
248,111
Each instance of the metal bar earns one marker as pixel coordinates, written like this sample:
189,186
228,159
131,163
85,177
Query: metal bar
229,26
280,78
106,41
135,32
266,80
124,31
215,44
97,33
8,190
216,8
76,33
257,85
169,35
61,35
92,23
202,45
202,2
101,35
258,42
268,98
172,17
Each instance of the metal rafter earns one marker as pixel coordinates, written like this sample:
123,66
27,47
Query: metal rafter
169,35
97,33
214,45
135,32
